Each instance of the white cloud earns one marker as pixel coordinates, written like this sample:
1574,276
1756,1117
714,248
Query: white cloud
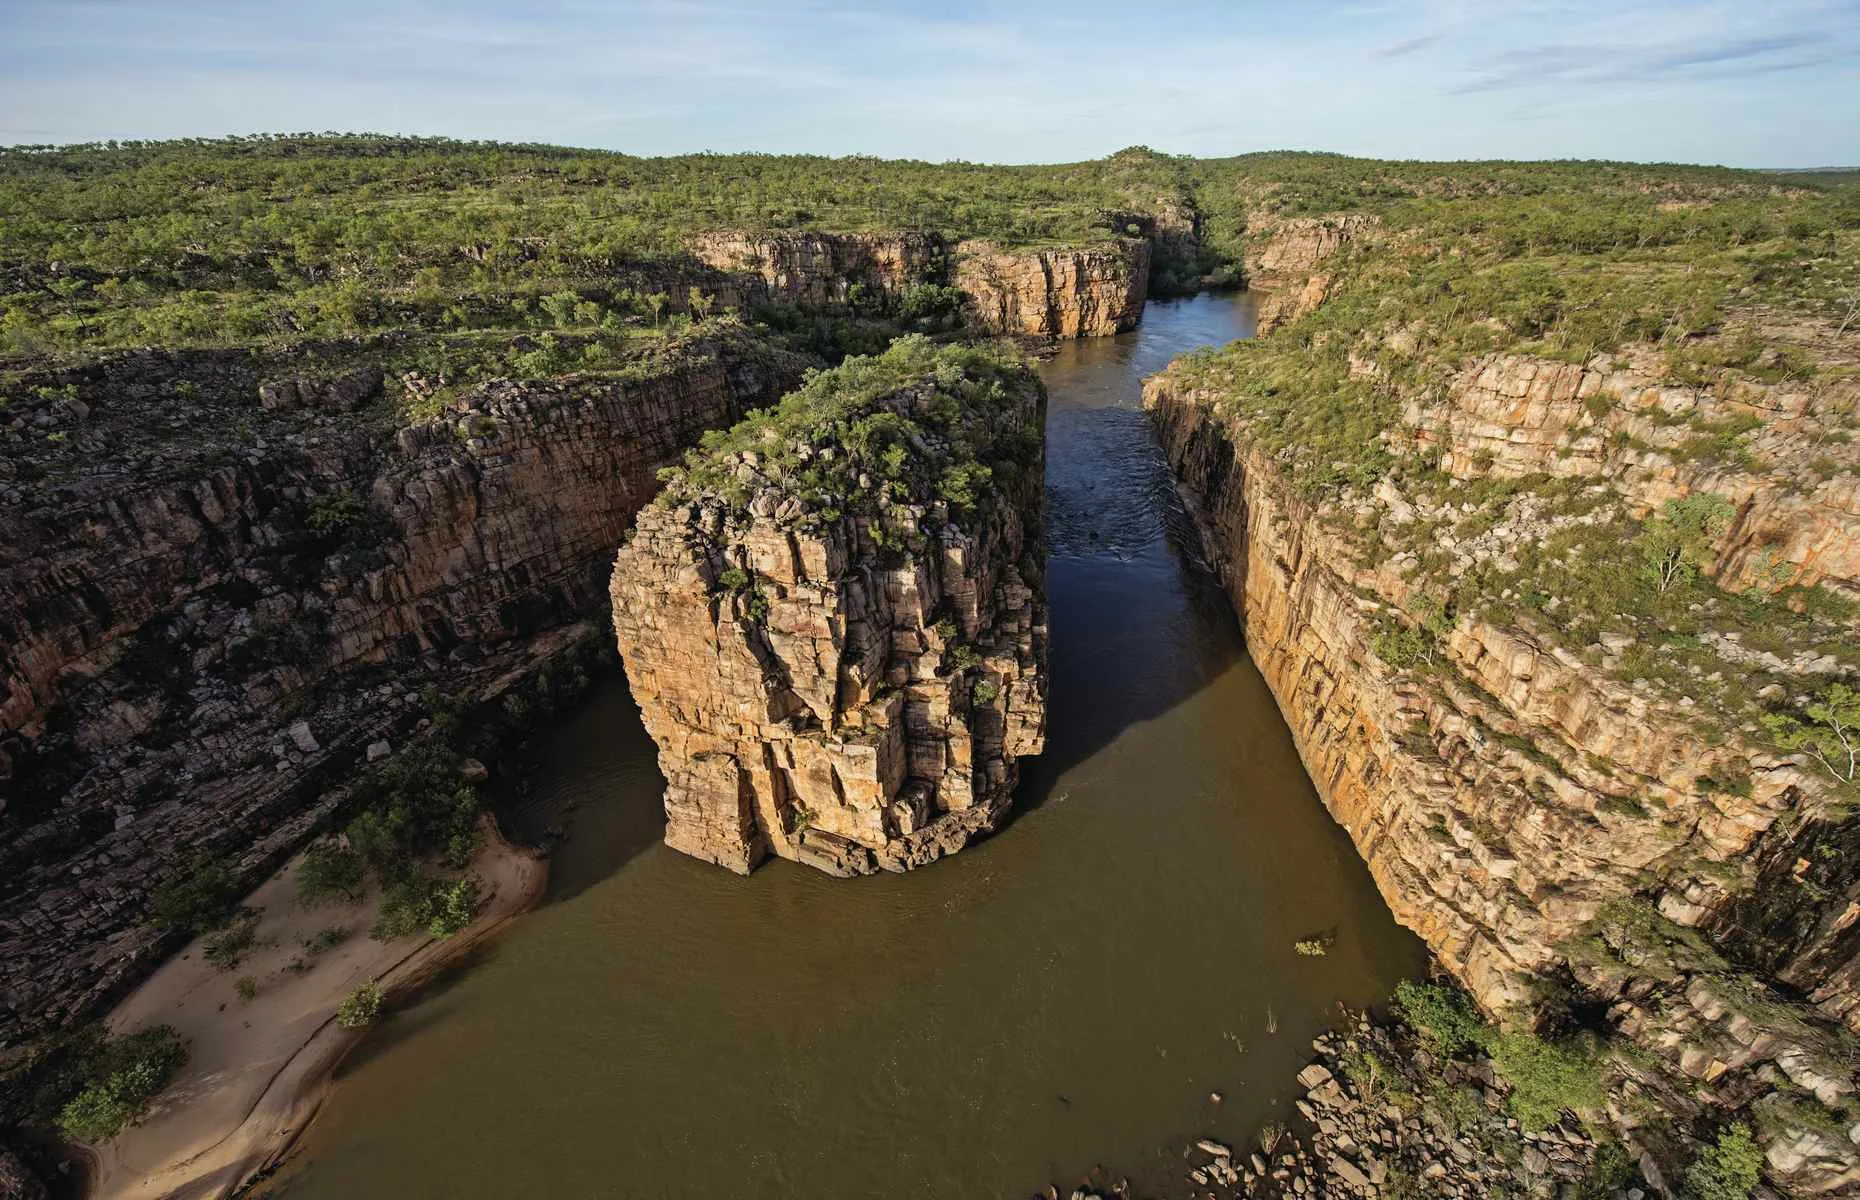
977,79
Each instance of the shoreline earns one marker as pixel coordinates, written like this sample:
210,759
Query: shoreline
248,1094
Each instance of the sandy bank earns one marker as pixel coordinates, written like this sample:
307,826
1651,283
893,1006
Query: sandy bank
258,1070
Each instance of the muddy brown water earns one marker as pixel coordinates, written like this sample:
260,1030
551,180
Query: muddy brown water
1065,994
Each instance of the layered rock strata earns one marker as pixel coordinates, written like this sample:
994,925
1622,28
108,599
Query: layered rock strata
834,622
1282,262
824,270
1066,293
1523,806
1062,292
223,586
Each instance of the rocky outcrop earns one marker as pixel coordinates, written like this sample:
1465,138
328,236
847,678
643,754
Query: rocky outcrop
16,1182
825,270
1505,795
1510,792
1288,251
1492,855
213,602
834,622
1282,259
1390,1115
1618,417
1066,293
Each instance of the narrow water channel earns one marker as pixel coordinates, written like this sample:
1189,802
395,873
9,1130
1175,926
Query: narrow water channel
1068,993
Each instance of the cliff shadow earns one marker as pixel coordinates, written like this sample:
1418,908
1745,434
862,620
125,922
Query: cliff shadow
590,791
1138,622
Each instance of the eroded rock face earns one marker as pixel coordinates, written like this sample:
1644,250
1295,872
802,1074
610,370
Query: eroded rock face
1527,813
184,633
1282,263
16,1182
846,682
1055,293
1491,855
1059,293
1615,417
821,270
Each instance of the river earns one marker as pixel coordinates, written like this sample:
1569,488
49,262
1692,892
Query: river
1065,994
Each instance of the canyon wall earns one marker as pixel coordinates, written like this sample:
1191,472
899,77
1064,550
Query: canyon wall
1055,293
227,579
1282,258
1060,292
835,627
823,271
226,588
1532,812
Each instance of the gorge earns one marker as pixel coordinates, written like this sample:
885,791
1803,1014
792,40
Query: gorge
1521,544
966,1027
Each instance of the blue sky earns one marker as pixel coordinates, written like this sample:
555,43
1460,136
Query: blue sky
1752,83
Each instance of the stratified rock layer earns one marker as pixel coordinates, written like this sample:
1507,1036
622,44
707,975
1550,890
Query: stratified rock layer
1282,261
1058,292
846,680
1055,293
823,270
1529,808
183,632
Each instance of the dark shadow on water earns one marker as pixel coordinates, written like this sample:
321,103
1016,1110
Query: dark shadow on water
1137,622
591,792
1069,992
413,1013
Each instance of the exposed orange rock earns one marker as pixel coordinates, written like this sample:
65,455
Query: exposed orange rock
1063,293
1282,260
1060,292
850,690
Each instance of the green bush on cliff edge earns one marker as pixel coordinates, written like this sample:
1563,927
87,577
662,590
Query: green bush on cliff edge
918,423
1546,1077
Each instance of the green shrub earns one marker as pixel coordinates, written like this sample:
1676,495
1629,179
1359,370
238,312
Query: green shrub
330,873
324,940
197,896
415,805
1828,728
247,988
361,1007
453,907
931,305
1728,1169
1547,1077
1442,1014
1401,646
423,903
337,512
1677,542
959,657
125,1076
227,949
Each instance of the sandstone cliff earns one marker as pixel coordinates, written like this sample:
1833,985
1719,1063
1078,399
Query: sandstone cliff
1282,259
222,585
1535,806
1061,292
823,270
1065,293
834,622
